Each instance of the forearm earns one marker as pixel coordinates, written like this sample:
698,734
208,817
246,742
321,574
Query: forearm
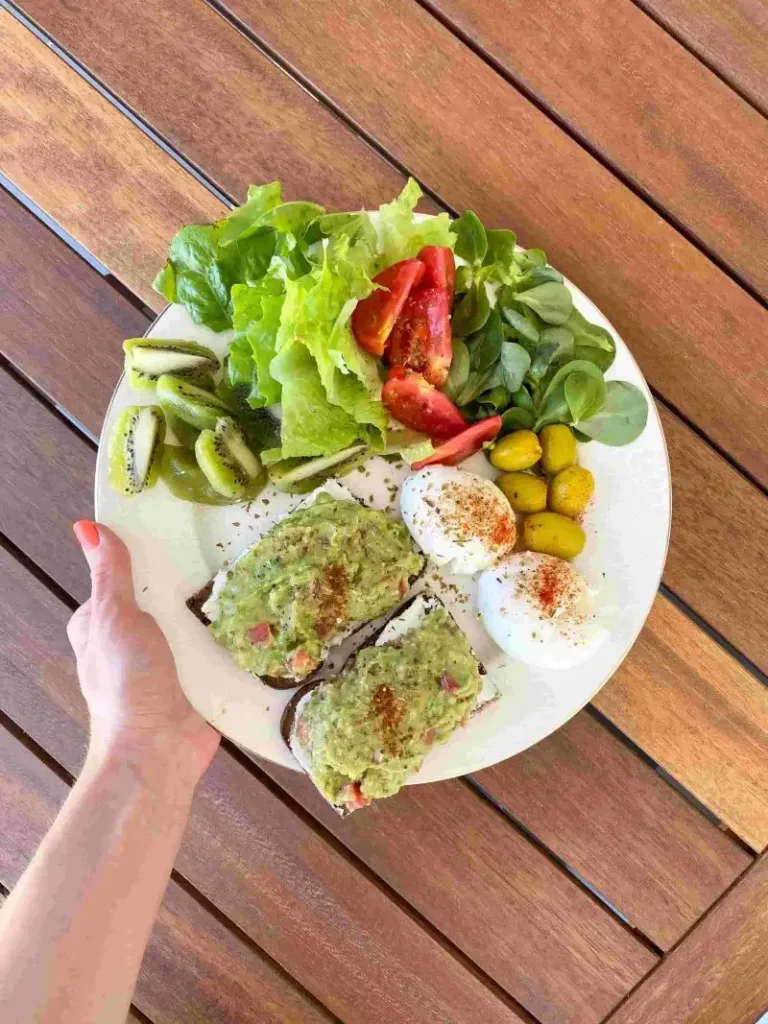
74,930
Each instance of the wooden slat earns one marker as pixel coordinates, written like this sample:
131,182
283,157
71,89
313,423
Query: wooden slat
718,560
293,894
52,474
459,126
698,877
717,975
248,123
456,843
695,332
652,109
60,321
730,35
578,790
714,594
195,969
648,855
719,748
57,169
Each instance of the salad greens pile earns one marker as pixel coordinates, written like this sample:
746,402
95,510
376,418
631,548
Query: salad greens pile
286,277
521,349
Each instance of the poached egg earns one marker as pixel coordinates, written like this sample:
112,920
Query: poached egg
460,520
539,608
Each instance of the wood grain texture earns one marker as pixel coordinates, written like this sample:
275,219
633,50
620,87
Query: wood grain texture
303,903
603,867
685,137
718,559
120,193
480,144
695,332
578,790
717,974
60,322
700,715
470,870
194,969
714,593
52,483
249,123
730,35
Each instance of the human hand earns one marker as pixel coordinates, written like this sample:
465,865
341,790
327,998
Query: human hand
127,672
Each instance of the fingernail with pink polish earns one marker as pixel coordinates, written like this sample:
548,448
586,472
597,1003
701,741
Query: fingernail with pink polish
87,534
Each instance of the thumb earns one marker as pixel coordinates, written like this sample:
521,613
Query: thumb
109,562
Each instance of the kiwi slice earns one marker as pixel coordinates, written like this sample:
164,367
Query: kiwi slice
300,476
228,463
182,431
147,359
185,479
191,403
135,446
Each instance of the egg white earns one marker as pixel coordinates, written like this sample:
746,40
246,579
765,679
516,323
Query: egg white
431,511
559,636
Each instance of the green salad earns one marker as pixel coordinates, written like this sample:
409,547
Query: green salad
423,338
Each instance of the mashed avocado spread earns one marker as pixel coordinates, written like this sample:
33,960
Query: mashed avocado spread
318,571
368,730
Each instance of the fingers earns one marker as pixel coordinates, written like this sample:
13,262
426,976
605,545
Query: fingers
109,562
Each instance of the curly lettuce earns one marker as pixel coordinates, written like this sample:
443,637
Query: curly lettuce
401,236
287,276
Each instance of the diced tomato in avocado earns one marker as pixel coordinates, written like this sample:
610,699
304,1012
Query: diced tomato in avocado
415,403
440,269
302,663
374,317
260,634
352,796
461,446
421,337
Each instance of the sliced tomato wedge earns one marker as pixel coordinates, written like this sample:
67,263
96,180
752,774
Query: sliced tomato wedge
440,269
415,403
421,337
373,318
462,445
260,634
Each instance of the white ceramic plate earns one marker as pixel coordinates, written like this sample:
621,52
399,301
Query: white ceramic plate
177,547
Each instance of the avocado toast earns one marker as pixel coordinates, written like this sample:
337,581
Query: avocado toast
317,576
361,735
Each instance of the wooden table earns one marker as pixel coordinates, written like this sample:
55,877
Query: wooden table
613,872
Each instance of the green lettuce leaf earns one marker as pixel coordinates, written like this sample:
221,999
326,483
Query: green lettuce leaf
310,424
257,318
200,274
349,375
401,237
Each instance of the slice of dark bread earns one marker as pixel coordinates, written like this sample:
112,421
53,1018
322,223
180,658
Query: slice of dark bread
289,714
197,600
